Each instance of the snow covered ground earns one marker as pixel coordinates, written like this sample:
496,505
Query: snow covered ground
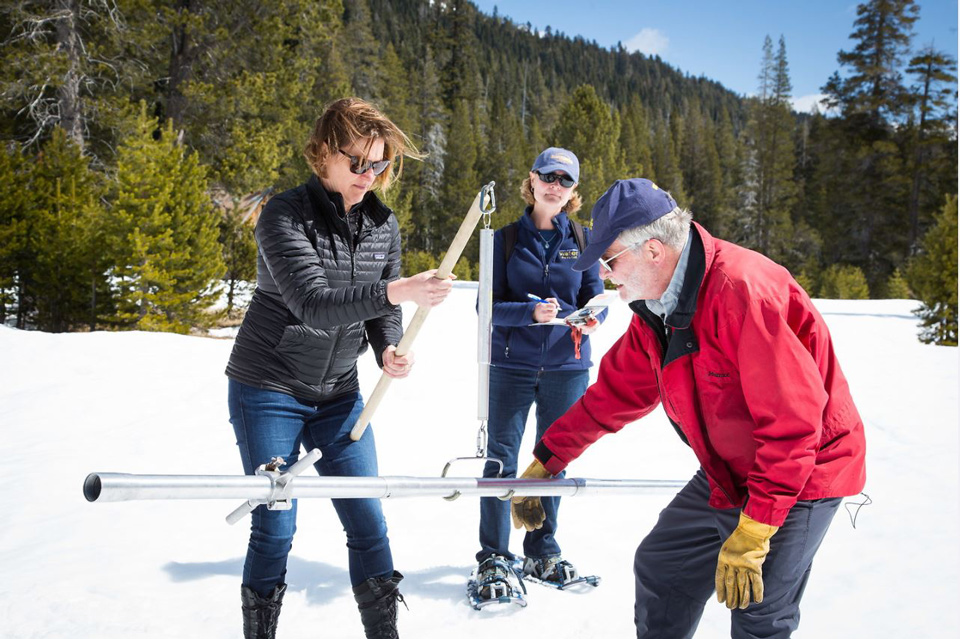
156,403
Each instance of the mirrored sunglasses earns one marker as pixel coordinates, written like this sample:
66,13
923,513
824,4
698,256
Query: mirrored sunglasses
565,180
358,166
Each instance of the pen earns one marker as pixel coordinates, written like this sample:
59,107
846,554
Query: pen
537,298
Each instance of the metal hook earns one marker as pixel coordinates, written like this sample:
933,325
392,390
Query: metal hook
488,203
450,463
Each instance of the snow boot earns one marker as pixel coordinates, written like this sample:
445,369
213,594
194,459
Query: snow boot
493,578
556,572
260,614
553,571
496,581
377,599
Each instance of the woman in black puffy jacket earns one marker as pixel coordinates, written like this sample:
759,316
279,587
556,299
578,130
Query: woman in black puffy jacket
328,286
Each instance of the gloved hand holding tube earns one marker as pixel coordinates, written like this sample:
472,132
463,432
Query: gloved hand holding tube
528,511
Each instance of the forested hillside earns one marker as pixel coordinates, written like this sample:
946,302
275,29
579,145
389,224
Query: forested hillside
127,123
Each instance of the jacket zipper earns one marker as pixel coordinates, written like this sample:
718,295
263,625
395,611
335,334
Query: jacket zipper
662,339
339,329
546,285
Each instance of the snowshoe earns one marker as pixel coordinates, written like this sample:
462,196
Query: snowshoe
496,581
555,572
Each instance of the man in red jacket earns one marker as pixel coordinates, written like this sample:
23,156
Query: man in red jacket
744,366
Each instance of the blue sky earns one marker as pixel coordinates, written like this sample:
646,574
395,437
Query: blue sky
724,40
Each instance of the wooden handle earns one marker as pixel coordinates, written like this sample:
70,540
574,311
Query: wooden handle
443,272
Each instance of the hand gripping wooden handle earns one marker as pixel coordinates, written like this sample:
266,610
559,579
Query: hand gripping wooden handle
443,272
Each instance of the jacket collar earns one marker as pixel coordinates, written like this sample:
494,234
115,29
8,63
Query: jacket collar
331,204
560,221
702,254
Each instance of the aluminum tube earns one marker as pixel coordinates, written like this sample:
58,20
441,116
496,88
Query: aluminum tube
125,487
485,323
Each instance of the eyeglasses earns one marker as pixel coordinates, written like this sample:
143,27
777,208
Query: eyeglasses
565,181
358,166
607,263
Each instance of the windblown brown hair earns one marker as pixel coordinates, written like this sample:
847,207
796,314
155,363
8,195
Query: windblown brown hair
347,120
572,206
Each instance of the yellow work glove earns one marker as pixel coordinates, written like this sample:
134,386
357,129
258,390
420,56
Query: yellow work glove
528,511
739,565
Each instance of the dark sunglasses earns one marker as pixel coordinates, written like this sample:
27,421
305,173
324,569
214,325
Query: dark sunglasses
358,166
550,178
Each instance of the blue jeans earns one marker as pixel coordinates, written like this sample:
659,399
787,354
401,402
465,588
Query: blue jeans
512,393
271,424
676,562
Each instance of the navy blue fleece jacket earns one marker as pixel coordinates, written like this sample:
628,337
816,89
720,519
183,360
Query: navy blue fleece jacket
531,269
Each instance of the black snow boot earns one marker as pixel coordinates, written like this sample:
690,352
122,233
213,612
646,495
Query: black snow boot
260,614
377,599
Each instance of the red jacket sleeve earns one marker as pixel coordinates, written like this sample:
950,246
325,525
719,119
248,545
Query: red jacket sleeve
626,389
785,395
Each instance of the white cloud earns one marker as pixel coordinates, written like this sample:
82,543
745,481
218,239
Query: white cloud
804,103
648,41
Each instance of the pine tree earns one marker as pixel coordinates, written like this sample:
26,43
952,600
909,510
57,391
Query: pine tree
866,183
769,137
356,42
874,89
701,166
455,43
844,282
730,152
428,175
49,264
505,159
933,96
243,82
396,93
68,64
14,223
897,287
165,231
635,140
239,251
933,277
460,179
666,165
68,270
590,129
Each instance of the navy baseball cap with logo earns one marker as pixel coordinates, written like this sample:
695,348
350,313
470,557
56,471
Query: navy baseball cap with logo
626,205
557,159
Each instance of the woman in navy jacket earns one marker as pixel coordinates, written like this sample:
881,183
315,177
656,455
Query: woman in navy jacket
530,363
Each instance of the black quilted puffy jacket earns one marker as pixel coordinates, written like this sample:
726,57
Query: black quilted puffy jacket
321,295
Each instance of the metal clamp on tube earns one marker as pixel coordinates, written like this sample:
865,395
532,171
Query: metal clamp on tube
281,485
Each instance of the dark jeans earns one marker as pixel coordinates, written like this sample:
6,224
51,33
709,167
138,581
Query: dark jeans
271,424
512,393
675,566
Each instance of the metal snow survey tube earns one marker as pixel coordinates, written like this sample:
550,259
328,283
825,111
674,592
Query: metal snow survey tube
102,487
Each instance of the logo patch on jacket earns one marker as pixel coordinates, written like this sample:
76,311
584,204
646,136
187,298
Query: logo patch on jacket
712,374
569,254
379,256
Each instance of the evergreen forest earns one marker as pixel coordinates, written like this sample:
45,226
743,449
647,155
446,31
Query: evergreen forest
141,137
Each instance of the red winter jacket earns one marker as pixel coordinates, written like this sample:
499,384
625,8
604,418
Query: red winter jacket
746,371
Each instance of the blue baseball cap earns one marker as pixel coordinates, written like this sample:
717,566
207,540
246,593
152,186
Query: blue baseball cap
626,205
557,159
